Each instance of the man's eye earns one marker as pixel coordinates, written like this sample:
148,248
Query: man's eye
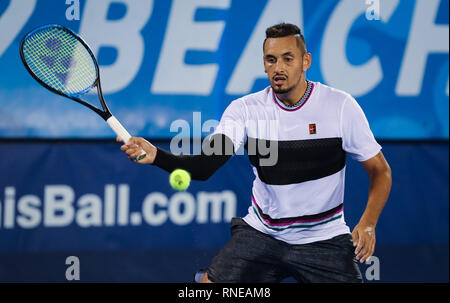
288,59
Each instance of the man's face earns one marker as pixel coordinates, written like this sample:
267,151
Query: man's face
283,62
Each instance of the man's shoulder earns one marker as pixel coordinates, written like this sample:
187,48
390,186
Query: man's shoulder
250,101
260,96
332,92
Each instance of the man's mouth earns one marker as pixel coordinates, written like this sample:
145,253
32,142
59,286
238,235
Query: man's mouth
279,80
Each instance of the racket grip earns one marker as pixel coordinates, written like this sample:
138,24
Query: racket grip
122,133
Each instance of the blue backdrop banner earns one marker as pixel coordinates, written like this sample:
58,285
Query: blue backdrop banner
163,60
87,199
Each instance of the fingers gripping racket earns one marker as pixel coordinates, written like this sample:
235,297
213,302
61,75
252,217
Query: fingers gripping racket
63,63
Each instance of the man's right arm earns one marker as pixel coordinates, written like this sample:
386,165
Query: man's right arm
214,154
227,138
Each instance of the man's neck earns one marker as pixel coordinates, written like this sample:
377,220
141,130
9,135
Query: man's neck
291,98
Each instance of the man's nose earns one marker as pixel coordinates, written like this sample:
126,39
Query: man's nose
279,66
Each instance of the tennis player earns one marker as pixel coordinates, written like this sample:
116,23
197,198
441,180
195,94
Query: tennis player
295,224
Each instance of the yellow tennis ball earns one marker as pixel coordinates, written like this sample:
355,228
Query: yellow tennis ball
180,179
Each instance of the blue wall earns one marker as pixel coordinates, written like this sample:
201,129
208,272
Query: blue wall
167,59
74,192
412,233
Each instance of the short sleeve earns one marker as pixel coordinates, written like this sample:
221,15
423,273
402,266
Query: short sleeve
357,138
232,123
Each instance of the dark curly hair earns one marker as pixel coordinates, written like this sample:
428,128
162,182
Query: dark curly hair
286,29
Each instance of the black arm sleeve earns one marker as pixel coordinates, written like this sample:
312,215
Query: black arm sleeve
215,152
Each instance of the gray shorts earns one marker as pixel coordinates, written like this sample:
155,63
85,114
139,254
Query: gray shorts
252,256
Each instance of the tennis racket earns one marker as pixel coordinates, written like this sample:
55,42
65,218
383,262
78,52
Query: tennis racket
63,63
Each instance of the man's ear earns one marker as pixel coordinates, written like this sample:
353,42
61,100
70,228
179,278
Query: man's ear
306,62
265,70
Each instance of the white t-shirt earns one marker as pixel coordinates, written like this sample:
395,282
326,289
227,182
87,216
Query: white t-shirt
299,199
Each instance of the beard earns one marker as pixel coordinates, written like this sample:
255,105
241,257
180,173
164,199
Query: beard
279,90
286,89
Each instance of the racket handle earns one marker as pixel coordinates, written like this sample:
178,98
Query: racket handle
122,133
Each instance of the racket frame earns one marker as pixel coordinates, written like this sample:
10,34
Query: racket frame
105,113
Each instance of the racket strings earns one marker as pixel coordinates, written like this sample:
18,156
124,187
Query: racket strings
60,60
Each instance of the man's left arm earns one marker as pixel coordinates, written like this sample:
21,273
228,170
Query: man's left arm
380,186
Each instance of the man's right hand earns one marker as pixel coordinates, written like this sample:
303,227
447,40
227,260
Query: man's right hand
134,148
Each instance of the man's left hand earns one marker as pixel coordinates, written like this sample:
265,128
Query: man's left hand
364,240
